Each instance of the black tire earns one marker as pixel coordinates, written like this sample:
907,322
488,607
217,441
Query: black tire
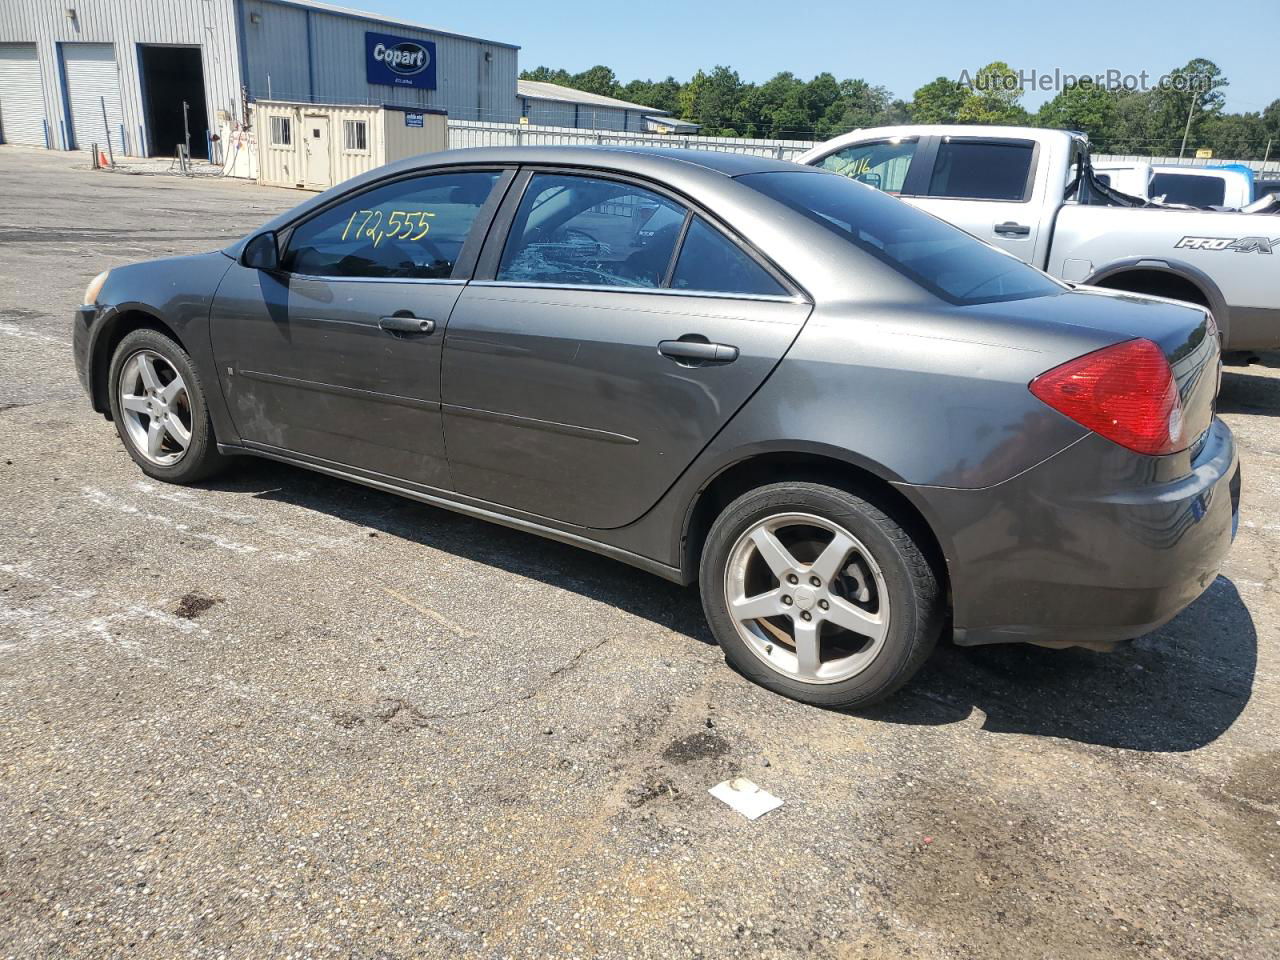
910,584
201,458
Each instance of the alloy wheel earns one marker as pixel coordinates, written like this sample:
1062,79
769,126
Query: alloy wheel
156,408
807,598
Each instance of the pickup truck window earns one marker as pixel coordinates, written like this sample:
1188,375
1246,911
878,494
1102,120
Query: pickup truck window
982,170
1189,188
942,259
882,165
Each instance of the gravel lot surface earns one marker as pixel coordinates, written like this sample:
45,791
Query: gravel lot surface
284,716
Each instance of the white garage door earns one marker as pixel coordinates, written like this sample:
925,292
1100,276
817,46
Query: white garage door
92,77
21,94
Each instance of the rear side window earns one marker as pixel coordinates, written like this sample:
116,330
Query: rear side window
882,165
711,263
586,231
973,170
1189,189
413,228
944,260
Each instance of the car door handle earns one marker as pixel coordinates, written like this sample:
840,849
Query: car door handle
1011,229
698,351
407,325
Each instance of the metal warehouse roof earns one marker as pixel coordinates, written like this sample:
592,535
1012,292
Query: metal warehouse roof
536,90
385,20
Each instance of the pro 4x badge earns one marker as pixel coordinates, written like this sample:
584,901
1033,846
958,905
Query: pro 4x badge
1238,244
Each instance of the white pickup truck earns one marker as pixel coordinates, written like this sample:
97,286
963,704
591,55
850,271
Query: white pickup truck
1032,192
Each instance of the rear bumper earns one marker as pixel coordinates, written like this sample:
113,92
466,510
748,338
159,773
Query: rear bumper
1094,545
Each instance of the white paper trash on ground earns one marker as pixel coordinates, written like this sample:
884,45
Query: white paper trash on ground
745,797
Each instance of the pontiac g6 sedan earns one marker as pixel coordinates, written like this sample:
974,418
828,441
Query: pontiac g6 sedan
849,422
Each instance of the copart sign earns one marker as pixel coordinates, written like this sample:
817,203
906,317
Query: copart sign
399,61
1235,244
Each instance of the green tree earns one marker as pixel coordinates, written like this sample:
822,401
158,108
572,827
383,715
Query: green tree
1191,96
993,96
598,79
1235,136
712,100
547,75
1088,108
938,101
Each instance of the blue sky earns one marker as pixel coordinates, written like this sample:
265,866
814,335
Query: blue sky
900,45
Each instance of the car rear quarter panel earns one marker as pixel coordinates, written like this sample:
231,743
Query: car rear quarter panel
932,397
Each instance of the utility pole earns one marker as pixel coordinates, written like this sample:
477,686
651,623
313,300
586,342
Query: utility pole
1187,130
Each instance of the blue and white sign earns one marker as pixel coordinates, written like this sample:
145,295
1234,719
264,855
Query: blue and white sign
399,61
412,119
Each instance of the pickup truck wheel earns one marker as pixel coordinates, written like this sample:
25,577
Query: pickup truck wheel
819,595
158,405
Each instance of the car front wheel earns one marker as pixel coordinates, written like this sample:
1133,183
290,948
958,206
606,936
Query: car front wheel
819,594
158,405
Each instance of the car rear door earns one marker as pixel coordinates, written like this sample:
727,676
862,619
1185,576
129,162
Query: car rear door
986,186
610,333
335,357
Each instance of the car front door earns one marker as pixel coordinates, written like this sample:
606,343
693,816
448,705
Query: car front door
602,346
335,357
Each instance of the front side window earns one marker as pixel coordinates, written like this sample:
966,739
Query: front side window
355,136
973,170
413,228
711,263
882,165
942,259
281,132
585,231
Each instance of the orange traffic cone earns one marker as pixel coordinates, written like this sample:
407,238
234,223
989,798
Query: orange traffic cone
102,158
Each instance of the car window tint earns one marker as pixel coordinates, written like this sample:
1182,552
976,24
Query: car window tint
711,263
1189,188
881,165
939,257
585,231
981,171
412,228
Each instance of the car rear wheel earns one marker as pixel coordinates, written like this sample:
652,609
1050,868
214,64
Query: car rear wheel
158,405
819,594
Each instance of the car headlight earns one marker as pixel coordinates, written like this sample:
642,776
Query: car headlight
95,287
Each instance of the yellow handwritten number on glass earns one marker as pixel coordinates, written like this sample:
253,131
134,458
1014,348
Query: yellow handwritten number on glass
399,225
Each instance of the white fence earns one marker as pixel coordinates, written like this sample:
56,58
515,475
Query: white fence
1257,166
476,133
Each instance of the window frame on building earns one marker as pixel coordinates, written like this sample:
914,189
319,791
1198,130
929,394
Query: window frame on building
361,127
280,132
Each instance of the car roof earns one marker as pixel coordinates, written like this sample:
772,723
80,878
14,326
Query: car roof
628,158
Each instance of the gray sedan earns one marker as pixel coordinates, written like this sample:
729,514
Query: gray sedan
850,423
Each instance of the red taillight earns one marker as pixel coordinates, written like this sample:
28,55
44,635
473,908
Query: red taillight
1124,392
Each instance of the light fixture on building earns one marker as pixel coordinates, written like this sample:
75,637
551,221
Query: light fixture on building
488,56
255,18
71,14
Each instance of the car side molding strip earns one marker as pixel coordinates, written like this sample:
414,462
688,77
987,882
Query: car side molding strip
340,390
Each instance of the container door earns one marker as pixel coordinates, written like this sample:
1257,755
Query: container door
315,144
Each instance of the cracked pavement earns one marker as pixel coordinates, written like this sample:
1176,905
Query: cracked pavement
282,716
